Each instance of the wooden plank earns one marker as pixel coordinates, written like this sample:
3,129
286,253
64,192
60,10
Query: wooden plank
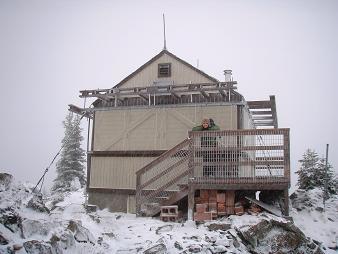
255,118
261,112
205,94
143,96
266,207
130,153
274,111
259,104
238,148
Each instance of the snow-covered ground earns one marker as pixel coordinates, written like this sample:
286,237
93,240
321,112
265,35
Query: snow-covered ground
315,221
105,232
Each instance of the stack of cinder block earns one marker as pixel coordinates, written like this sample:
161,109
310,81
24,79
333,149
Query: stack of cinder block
169,213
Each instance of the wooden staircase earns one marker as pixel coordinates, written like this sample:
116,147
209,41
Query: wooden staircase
164,181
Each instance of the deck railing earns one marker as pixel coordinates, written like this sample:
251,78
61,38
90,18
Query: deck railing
162,177
216,159
258,156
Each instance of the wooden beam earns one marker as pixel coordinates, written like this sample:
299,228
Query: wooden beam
80,111
221,91
130,153
262,118
103,97
261,112
259,104
175,95
143,97
274,111
205,94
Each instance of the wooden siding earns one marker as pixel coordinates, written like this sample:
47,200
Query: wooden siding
155,128
180,74
116,172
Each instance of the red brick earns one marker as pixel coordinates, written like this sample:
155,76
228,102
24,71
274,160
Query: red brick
201,208
230,210
220,197
213,207
204,194
221,207
203,216
239,210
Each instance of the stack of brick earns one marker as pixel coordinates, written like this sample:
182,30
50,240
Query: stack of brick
230,202
221,204
212,203
254,209
206,206
239,208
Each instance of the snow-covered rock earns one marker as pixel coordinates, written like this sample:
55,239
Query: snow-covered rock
36,203
5,181
37,227
70,229
272,236
37,247
316,221
81,234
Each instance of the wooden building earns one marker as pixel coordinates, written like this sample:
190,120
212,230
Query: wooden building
142,152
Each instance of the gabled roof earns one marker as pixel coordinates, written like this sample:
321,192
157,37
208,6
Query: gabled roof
164,51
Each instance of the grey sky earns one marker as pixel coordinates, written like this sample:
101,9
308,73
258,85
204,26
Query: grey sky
49,50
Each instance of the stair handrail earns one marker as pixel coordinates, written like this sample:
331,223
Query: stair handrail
140,186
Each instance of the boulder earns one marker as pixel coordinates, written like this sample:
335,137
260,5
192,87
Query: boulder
5,181
165,228
276,237
36,203
11,220
37,227
81,234
178,245
218,226
3,239
157,249
195,248
62,242
37,247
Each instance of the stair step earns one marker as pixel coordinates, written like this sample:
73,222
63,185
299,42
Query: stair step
182,186
163,198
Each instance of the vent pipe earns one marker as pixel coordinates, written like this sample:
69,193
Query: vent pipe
228,75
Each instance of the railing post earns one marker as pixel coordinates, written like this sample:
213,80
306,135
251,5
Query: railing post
286,155
138,195
191,188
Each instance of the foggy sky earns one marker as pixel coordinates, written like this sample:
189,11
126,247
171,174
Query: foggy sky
49,50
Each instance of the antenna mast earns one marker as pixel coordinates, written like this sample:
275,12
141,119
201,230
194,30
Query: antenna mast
165,43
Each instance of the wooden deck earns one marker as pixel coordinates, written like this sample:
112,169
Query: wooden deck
256,159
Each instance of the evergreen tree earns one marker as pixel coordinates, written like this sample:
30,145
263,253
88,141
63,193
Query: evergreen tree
70,166
307,170
313,173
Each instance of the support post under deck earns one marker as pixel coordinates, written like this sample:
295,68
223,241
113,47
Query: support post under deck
191,201
286,202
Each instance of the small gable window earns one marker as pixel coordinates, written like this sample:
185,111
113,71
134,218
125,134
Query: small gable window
164,70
